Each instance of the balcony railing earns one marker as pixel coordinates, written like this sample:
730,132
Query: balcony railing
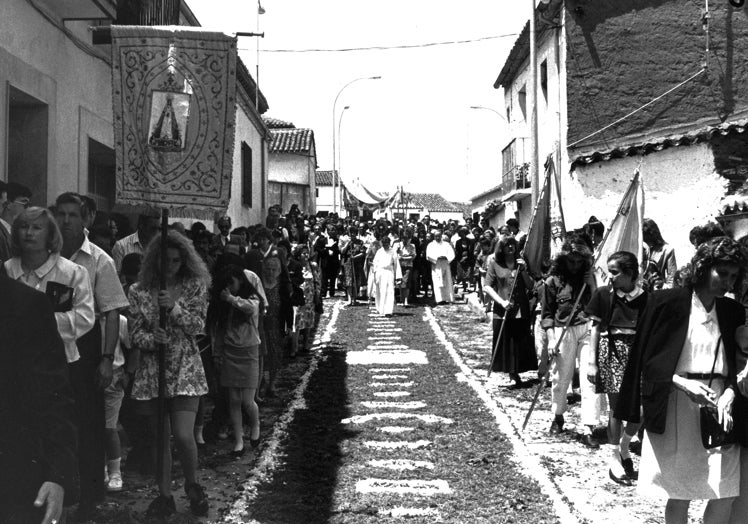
518,177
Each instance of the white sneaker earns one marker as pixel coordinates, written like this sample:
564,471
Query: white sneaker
115,482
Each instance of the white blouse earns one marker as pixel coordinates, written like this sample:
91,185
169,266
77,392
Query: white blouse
80,319
697,355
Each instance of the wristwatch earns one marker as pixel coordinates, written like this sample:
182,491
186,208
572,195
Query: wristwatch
110,356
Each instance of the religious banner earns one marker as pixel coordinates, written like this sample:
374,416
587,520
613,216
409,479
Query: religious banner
547,230
173,93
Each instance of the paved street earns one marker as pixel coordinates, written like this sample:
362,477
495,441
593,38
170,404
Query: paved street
399,421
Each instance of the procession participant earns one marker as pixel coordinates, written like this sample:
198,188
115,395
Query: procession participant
613,312
137,242
185,299
36,243
224,241
464,258
685,342
387,273
353,255
305,315
569,273
277,320
371,287
15,198
233,321
659,257
595,230
330,261
440,254
513,226
37,434
406,254
94,372
507,284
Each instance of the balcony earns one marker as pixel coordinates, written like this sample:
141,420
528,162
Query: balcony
81,9
515,184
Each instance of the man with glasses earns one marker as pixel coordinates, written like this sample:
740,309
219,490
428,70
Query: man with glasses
14,198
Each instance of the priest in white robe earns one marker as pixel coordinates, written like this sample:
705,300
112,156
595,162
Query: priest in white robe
386,268
440,253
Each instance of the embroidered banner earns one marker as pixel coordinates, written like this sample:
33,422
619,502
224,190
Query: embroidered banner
174,109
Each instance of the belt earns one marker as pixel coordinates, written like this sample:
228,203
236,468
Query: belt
704,376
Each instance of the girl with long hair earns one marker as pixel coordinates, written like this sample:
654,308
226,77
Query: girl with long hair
185,300
507,284
570,271
233,320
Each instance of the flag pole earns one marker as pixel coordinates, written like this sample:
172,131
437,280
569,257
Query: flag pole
514,284
550,360
162,437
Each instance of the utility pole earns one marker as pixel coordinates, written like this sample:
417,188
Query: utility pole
534,149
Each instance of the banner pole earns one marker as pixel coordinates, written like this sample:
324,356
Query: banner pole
161,437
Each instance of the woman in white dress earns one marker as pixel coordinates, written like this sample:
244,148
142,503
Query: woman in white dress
684,357
387,271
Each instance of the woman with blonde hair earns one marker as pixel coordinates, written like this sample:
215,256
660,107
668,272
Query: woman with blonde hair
186,300
35,248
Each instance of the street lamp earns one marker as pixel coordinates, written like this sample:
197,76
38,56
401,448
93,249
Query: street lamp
340,156
492,110
334,166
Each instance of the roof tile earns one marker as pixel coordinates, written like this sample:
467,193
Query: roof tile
291,140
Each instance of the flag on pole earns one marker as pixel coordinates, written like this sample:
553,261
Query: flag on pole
174,113
547,229
625,231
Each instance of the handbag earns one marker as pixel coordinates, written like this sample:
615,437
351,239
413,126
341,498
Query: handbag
713,434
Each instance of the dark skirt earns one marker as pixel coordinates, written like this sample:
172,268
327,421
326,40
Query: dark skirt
612,356
240,367
516,353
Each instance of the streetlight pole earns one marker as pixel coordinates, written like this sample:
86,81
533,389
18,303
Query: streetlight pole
334,166
340,158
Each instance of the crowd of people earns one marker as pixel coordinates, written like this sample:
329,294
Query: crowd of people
664,347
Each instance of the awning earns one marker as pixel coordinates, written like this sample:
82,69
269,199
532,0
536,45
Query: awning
517,195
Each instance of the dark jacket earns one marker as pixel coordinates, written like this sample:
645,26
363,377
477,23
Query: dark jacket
659,340
37,432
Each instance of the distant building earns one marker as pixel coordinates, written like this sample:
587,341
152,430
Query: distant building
418,205
324,191
293,166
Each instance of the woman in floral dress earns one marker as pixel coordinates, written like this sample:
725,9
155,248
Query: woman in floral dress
305,315
185,300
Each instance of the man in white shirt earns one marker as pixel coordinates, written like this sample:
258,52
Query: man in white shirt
94,371
148,226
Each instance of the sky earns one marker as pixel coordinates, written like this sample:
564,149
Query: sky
413,127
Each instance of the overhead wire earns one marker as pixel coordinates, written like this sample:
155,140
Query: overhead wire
387,48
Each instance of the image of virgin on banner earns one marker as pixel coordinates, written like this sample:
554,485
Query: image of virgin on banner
168,123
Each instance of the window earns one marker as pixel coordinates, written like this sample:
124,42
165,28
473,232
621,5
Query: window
522,99
544,79
316,192
246,175
28,131
102,185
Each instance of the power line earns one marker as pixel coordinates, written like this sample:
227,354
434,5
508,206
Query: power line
385,48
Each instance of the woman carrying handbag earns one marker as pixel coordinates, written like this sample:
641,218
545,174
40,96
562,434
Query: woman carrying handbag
686,338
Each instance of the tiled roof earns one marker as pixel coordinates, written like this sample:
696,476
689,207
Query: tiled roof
495,189
323,178
651,144
277,123
464,207
291,140
431,201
